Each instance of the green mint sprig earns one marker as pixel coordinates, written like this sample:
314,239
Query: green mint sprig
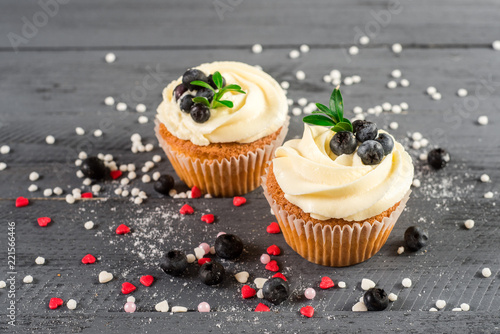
218,93
331,116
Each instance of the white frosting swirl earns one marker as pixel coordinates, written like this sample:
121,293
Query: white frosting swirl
256,114
329,186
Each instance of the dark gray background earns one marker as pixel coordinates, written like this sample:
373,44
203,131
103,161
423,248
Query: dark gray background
58,80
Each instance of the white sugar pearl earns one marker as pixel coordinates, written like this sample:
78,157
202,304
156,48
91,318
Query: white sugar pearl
190,258
469,223
348,81
137,200
302,101
2,284
416,136
108,157
135,192
310,293
356,79
289,102
294,54
96,188
482,120
118,191
285,84
110,58
416,183
371,111
397,48
424,142
156,176
300,75
76,191
486,272
149,147
131,299
496,45
140,107
392,84
353,50
156,158
70,199
5,149
404,105
131,167
100,156
335,74
296,111
50,140
440,304
396,73
258,67
47,192
121,106
367,284
109,101
135,137
485,178
149,164
71,304
89,225
433,309
416,145
260,294
489,194
172,192
58,191
392,297
131,175
386,106
465,307
199,252
436,96
257,48
3,165
87,182
97,133
396,109
423,156
82,155
40,260
304,48
125,193
401,250
341,285
406,282
34,176
394,125
79,131
357,110
124,181
28,279
32,188
79,174
404,83
431,90
145,169
363,40
462,92
378,109
143,120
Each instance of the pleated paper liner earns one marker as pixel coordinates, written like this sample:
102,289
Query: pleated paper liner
334,246
226,177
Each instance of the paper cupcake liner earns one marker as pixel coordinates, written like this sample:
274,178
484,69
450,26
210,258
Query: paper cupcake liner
223,178
334,246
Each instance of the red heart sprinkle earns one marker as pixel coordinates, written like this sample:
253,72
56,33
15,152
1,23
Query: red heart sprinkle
44,221
55,303
262,308
208,218
147,280
21,201
116,174
204,260
307,311
247,292
128,288
186,210
122,229
280,275
272,266
88,259
326,283
239,201
273,228
273,250
195,192
87,195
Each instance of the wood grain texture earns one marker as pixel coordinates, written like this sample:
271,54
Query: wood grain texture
61,81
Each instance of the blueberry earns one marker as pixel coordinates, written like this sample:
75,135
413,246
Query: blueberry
343,142
356,125
376,299
200,113
386,141
438,158
371,152
205,92
415,238
211,82
174,263
187,103
276,290
228,246
178,91
164,184
366,131
193,75
212,273
93,168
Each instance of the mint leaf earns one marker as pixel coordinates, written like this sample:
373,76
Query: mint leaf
202,100
342,126
226,103
324,109
217,79
318,120
202,84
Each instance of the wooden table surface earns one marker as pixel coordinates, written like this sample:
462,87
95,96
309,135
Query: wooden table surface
53,78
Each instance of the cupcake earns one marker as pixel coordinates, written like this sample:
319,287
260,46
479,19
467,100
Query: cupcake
219,125
338,191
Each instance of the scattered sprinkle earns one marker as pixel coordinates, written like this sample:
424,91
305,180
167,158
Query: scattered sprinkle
401,250
394,125
242,276
162,306
28,279
257,48
440,304
482,120
143,119
300,75
433,309
89,225
140,107
489,194
71,304
392,297
3,166
363,40
486,272
98,133
406,282
404,83
353,50
5,149
485,178
310,293
392,84
462,92
465,307
436,96
80,131
359,307
203,307
496,45
431,90
367,284
294,54
397,48
179,309
110,58
341,284
105,277
469,223
50,140
40,260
